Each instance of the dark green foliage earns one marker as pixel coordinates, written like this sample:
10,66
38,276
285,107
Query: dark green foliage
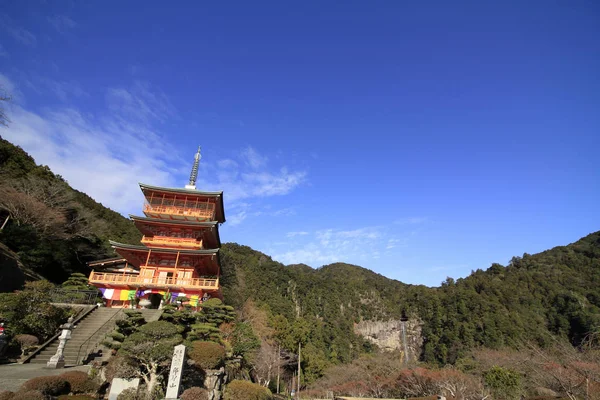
204,331
77,281
29,311
215,312
151,349
243,339
207,355
48,385
504,383
245,390
80,227
125,327
554,292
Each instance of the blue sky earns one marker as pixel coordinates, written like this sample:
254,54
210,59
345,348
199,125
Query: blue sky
420,140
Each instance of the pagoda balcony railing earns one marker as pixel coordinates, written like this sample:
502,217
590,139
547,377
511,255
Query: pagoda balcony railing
172,241
153,281
206,211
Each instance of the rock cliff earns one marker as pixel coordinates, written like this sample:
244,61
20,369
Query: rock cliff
394,335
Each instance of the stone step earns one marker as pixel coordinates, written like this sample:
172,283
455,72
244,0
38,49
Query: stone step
88,333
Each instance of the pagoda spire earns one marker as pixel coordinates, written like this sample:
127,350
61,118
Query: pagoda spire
194,174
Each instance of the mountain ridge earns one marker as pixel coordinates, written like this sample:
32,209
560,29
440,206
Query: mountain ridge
554,294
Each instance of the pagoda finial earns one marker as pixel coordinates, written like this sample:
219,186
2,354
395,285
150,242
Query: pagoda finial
194,174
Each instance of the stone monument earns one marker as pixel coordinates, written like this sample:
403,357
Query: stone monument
119,385
175,374
58,360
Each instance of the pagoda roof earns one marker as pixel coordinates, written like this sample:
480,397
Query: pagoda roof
180,190
194,224
159,221
189,192
112,260
164,250
136,254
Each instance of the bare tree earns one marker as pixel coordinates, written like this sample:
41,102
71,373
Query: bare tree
24,209
4,98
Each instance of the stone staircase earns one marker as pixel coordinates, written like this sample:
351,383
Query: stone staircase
88,332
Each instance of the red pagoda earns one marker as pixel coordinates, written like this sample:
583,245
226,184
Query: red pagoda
179,254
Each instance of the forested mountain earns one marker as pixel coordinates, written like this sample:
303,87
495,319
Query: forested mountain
54,229
534,299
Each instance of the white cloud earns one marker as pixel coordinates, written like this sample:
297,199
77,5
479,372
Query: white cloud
18,33
242,211
411,220
3,52
142,102
253,158
62,89
62,23
292,234
333,245
105,154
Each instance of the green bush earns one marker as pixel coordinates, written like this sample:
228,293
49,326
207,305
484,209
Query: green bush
504,383
76,397
129,394
246,390
47,385
194,393
80,382
207,355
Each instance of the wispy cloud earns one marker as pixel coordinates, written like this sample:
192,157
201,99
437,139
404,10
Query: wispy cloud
293,234
62,23
3,52
64,90
18,33
141,102
107,152
245,210
331,245
253,158
411,220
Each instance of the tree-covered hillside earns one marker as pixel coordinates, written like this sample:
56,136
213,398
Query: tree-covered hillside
535,297
54,229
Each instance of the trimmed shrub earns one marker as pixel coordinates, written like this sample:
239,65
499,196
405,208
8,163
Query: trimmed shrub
30,395
47,385
6,395
27,342
246,390
80,382
194,393
129,394
207,355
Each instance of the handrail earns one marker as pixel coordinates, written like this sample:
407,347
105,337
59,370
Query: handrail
206,212
87,342
179,242
53,338
153,280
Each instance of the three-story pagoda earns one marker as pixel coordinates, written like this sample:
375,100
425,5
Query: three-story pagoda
179,252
